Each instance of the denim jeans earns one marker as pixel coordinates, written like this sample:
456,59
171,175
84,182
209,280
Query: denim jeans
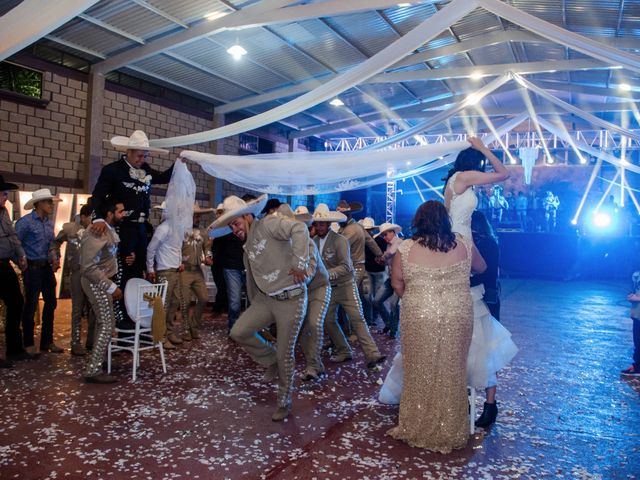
390,318
37,280
376,280
235,280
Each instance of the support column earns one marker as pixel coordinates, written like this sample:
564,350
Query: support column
93,131
215,186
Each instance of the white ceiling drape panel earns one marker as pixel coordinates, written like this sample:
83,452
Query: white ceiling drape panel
311,173
33,19
427,30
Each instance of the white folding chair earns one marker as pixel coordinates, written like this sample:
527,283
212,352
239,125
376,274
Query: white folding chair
472,409
139,339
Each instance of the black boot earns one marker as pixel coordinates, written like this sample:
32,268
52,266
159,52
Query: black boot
489,414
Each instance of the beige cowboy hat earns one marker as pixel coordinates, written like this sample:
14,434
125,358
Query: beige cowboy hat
162,206
368,223
349,207
198,209
323,214
385,227
137,141
38,196
285,210
235,207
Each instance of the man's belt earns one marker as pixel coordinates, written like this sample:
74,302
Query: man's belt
160,272
287,294
38,263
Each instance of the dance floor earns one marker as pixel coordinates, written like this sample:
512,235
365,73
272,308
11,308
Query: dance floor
564,410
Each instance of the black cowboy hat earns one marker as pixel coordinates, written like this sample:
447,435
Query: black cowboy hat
4,186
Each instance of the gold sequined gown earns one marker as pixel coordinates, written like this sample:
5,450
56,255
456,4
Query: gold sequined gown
436,322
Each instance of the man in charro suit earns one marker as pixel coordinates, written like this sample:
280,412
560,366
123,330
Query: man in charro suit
276,257
334,250
129,179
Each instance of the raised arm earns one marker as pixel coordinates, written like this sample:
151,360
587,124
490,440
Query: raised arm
472,177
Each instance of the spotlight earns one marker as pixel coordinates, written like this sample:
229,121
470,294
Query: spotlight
601,220
236,51
476,76
574,222
625,87
336,102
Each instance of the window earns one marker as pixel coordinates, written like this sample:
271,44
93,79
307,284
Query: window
22,80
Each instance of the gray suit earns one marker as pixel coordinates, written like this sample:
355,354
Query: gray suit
344,292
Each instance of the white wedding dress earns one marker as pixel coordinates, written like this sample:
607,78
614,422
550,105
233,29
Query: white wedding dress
491,345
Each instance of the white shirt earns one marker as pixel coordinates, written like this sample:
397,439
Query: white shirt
165,248
322,242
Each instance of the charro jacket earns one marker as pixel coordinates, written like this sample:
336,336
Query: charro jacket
358,239
336,258
274,246
98,263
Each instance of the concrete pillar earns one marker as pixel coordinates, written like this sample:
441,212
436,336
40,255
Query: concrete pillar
93,131
293,144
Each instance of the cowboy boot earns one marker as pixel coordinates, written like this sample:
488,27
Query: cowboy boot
489,415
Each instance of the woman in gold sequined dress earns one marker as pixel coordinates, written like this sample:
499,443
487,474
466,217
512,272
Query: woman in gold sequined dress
431,274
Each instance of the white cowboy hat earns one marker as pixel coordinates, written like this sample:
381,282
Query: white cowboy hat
323,214
368,223
137,141
285,210
301,209
220,232
385,227
198,209
235,207
39,195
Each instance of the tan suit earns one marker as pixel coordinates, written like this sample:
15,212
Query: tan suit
193,255
273,247
336,258
319,292
98,265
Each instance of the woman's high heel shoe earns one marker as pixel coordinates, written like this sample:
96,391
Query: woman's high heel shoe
489,414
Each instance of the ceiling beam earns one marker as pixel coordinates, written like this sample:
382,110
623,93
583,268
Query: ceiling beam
267,12
157,11
489,70
112,29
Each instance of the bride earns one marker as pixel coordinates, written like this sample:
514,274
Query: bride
491,345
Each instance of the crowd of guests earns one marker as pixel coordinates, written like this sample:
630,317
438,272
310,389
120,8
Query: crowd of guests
531,212
305,273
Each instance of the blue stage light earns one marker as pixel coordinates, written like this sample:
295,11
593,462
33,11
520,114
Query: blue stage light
601,220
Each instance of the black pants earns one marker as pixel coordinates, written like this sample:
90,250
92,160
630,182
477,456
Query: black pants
133,239
39,280
12,297
636,343
221,303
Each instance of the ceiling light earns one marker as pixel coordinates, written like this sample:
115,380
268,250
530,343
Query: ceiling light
236,51
214,15
336,102
408,162
476,76
550,160
625,87
404,4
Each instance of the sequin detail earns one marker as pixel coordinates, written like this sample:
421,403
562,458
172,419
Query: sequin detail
436,320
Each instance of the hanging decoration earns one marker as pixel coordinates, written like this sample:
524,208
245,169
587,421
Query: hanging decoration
528,155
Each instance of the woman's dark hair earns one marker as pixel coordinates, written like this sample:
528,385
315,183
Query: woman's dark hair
467,159
481,227
432,227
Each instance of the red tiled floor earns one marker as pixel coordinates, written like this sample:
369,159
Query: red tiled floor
564,410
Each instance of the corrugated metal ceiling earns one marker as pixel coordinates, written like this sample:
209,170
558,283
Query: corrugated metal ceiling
289,53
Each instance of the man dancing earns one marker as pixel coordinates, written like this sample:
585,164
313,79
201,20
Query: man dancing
276,259
98,268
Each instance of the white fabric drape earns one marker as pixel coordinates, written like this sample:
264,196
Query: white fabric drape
575,110
181,195
563,37
528,155
311,173
33,19
470,100
417,37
